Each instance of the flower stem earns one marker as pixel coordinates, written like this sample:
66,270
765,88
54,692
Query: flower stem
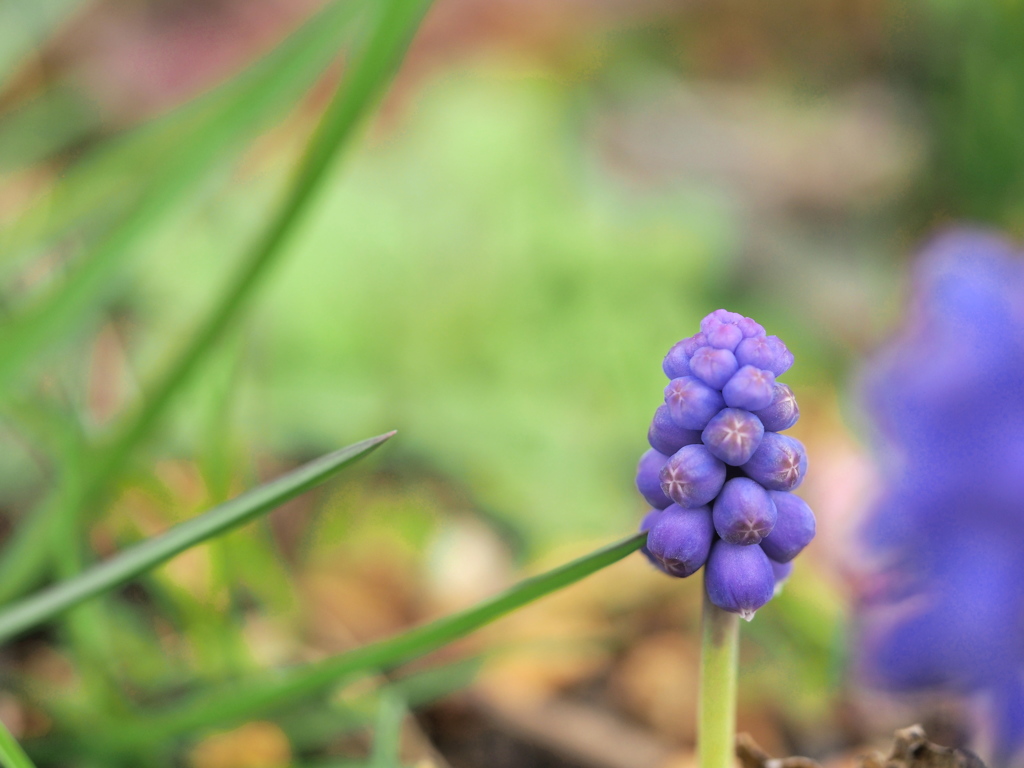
719,662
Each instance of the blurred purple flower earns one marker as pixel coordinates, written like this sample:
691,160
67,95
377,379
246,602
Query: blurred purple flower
947,396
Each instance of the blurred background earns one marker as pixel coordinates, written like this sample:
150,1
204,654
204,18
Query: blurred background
549,196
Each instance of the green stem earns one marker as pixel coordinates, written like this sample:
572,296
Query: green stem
11,753
719,663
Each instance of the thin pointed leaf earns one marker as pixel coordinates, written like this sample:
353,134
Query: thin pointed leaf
152,552
11,753
25,557
258,696
359,91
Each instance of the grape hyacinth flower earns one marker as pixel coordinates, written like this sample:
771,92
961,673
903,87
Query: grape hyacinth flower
945,610
744,513
733,435
718,477
717,453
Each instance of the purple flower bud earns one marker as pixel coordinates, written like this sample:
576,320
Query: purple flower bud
793,530
648,480
750,388
665,436
719,316
725,336
779,463
765,352
733,436
750,328
691,402
645,525
781,572
692,476
677,362
743,512
783,413
739,579
714,366
680,539
722,330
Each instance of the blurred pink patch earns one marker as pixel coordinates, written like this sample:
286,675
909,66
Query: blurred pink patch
137,59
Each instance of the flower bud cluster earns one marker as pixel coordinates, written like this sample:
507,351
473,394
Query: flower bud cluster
719,475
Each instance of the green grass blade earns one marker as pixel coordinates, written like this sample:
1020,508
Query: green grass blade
54,119
387,733
152,552
25,557
316,723
11,753
182,160
23,561
258,696
357,94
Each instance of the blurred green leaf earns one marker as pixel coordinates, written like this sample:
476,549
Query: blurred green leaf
116,177
11,753
387,733
152,552
260,695
318,722
362,85
219,129
48,122
964,62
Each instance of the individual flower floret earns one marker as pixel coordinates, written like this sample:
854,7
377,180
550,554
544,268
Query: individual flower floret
691,402
781,572
679,540
779,463
783,412
648,479
677,362
744,513
739,578
765,352
714,366
751,388
794,527
692,476
733,435
668,437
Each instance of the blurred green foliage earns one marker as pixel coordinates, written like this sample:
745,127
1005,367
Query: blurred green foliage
965,63
477,283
